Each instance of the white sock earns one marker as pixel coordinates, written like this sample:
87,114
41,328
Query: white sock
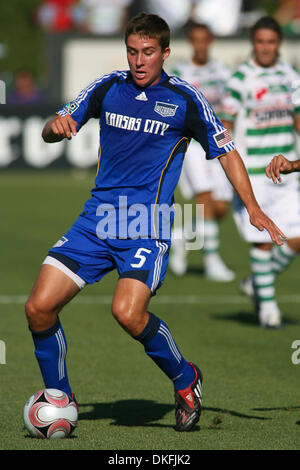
282,256
211,237
263,277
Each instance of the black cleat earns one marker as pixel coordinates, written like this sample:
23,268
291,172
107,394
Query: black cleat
188,403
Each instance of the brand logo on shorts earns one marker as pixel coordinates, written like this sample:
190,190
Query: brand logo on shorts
165,109
60,242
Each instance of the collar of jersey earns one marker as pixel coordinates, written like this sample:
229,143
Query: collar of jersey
164,78
261,68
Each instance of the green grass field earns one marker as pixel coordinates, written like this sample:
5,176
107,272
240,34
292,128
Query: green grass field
251,387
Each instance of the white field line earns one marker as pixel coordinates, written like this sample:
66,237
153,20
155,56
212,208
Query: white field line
159,299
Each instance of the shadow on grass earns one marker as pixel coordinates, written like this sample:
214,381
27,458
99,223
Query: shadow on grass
127,412
143,413
237,414
249,318
28,436
282,408
198,271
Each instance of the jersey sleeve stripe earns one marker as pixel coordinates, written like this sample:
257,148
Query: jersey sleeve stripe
208,112
83,94
86,91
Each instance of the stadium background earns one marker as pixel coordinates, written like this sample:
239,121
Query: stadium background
251,384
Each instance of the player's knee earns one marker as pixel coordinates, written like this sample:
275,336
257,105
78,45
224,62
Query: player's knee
39,314
123,314
221,209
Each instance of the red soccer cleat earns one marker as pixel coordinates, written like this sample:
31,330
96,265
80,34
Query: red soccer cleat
188,403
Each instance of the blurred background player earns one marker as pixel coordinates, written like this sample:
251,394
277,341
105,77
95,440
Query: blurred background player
102,17
259,102
25,90
200,179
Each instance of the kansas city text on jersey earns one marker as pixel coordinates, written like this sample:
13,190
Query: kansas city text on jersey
130,123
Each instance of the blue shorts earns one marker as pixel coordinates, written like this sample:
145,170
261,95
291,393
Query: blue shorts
86,258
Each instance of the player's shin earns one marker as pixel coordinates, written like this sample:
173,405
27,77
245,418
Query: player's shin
215,268
50,351
161,348
282,256
263,279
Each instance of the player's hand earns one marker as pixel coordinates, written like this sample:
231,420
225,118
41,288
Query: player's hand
261,221
59,128
64,126
278,165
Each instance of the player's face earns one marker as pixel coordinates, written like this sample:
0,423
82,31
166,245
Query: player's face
145,59
200,40
266,43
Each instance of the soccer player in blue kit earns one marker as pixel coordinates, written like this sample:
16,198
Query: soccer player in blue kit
147,119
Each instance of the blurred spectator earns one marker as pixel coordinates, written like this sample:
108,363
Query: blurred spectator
265,7
102,17
223,17
26,90
288,16
56,15
175,12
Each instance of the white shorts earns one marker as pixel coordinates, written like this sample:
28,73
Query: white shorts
281,202
199,175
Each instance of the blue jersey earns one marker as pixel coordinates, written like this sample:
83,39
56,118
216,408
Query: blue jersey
144,134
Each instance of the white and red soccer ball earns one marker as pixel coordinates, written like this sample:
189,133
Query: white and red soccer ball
50,413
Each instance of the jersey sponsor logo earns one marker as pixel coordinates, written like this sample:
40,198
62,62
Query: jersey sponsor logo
276,116
261,93
71,107
165,109
223,138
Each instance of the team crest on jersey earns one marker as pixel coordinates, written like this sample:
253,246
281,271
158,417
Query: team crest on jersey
165,109
71,107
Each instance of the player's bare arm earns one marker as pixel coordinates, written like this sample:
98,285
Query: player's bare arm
228,124
237,174
59,128
281,165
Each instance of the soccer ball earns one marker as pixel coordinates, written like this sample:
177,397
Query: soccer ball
50,413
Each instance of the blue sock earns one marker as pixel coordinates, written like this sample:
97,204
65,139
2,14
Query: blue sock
161,347
50,351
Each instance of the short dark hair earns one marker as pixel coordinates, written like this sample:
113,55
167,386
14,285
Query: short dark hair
266,22
194,25
148,25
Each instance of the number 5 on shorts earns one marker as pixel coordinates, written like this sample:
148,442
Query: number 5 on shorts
141,257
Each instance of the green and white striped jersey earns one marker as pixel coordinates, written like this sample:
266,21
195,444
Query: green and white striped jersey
210,79
260,100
